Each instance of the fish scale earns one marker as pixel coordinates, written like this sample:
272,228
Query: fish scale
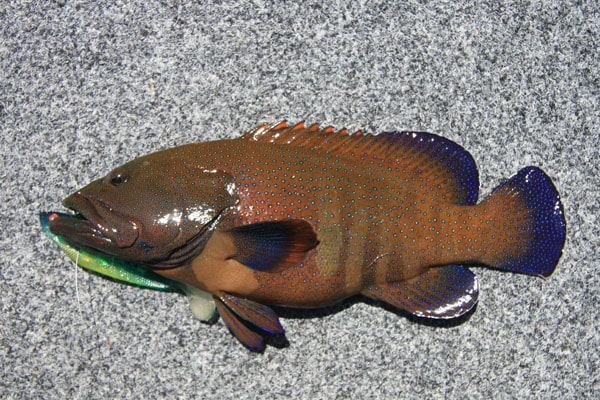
305,217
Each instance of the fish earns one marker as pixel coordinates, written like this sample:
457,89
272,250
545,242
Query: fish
302,216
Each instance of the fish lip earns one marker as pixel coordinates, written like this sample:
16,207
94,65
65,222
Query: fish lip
78,230
84,208
86,227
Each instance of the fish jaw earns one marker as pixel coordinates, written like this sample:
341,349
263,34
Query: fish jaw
95,225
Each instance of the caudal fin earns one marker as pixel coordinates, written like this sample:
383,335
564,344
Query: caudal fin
527,231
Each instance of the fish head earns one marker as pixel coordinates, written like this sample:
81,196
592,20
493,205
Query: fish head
158,210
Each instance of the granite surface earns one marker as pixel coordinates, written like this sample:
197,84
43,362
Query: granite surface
88,85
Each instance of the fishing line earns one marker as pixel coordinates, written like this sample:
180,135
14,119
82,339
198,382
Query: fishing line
77,285
94,322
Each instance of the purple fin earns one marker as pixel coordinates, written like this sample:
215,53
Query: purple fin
273,245
440,293
529,204
257,314
249,338
439,159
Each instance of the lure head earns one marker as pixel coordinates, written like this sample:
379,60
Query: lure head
158,210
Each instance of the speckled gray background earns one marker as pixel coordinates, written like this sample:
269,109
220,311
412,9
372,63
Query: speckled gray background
87,85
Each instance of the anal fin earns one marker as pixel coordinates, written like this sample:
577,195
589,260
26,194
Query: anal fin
439,293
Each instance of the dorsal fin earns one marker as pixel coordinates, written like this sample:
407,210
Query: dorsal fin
416,154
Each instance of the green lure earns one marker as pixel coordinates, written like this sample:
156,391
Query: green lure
106,265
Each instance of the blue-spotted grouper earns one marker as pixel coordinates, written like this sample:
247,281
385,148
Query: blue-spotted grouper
305,217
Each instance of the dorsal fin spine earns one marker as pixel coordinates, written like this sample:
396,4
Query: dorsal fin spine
282,125
298,126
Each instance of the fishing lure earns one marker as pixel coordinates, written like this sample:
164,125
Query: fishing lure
300,216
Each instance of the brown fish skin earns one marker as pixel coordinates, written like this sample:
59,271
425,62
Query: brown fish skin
352,241
368,232
302,217
352,211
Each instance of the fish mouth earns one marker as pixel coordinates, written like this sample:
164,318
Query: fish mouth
94,224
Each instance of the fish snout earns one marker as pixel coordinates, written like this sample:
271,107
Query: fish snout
111,224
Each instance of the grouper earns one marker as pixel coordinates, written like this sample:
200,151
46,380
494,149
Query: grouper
302,216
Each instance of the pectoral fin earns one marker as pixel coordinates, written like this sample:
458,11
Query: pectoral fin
440,293
273,245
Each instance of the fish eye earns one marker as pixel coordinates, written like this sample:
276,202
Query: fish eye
118,179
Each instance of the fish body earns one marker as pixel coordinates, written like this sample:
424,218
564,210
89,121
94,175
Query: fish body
305,217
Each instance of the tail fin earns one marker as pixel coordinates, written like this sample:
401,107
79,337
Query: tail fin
528,228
